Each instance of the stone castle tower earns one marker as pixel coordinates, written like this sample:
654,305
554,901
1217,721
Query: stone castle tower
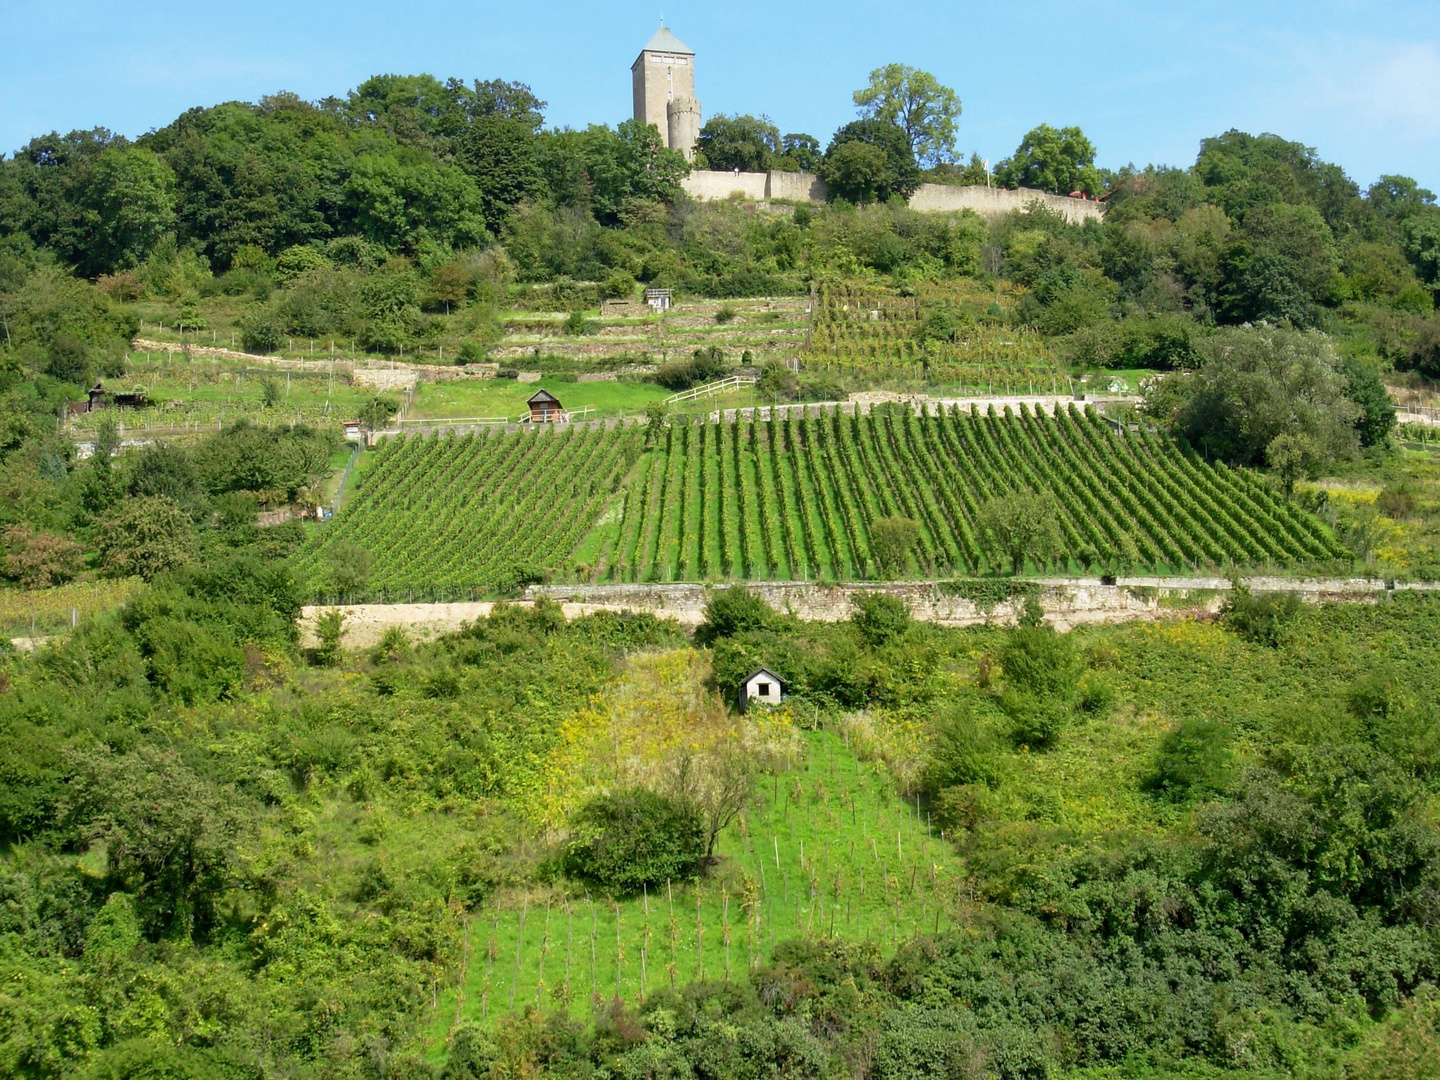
663,80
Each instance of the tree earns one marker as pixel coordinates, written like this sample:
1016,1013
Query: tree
502,157
636,838
1281,267
732,611
892,539
746,143
717,783
130,204
38,560
329,633
1256,383
802,150
348,567
145,537
918,104
169,837
1021,525
1061,160
880,619
1292,455
376,412
870,161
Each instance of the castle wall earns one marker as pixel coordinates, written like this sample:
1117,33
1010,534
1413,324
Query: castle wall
708,185
987,202
993,202
800,186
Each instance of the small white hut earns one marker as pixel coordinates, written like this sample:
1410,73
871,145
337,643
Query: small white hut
763,687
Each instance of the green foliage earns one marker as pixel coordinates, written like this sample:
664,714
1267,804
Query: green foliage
329,633
731,611
880,619
1256,384
870,161
739,142
1021,525
1037,660
892,539
145,537
706,365
1061,160
635,838
1267,619
1194,761
918,104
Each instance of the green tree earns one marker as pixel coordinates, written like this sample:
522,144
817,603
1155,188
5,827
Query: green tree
870,161
169,837
892,539
1061,160
1257,383
880,619
1020,525
917,103
129,206
747,143
376,412
636,838
1292,455
1282,267
145,537
801,150
502,157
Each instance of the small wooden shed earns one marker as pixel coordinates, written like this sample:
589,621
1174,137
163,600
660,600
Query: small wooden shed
763,687
545,408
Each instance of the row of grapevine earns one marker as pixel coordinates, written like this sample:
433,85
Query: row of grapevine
796,499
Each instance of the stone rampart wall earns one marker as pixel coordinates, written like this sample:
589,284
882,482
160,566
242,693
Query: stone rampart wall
802,187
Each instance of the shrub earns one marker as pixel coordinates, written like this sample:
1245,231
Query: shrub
879,618
733,611
891,541
963,753
329,630
40,560
1035,722
578,325
705,365
631,839
1038,661
1264,620
145,537
725,314
1193,759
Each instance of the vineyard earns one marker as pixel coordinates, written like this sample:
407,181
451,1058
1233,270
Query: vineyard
794,499
478,511
827,851
872,332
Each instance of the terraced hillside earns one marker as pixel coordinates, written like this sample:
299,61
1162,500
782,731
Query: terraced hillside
795,499
944,333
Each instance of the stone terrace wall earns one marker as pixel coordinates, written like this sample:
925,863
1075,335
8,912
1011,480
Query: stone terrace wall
1068,603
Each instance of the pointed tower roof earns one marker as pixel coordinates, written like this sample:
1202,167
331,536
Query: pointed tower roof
666,42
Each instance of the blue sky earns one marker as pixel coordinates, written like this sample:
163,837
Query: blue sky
1359,81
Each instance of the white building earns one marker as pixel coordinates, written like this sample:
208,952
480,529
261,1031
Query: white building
763,687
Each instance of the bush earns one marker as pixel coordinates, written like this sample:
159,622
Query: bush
733,611
891,541
1038,661
879,618
1193,759
1035,722
1264,620
962,753
636,838
145,537
705,365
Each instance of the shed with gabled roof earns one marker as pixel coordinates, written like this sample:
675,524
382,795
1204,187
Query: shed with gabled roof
545,408
763,687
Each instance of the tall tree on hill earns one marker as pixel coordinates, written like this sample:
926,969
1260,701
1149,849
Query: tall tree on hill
747,143
1061,160
918,104
870,161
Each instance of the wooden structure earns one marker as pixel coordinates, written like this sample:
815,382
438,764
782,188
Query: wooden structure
97,397
762,687
545,408
659,299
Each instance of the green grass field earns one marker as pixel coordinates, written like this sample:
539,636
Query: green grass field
827,850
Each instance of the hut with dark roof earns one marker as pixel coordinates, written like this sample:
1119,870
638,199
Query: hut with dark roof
545,408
